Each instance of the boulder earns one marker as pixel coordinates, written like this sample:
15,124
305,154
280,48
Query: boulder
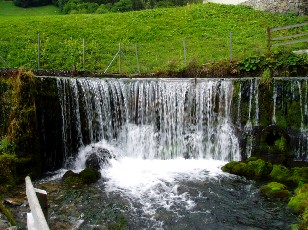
275,190
99,158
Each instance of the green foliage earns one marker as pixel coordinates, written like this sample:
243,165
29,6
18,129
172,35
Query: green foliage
159,34
275,190
8,170
7,213
277,63
31,3
266,78
7,146
7,8
280,173
281,144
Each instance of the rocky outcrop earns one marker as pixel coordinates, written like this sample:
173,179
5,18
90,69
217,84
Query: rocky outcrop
299,7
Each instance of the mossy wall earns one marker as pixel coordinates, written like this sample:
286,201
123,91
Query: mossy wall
274,116
271,120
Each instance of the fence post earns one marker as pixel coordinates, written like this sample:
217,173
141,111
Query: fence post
83,54
184,48
230,46
268,39
137,60
38,51
36,219
120,51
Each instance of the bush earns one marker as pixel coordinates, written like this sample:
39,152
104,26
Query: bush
31,3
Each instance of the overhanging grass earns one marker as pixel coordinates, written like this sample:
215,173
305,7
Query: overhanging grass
158,33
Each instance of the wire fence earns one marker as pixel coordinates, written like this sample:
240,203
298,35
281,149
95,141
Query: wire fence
52,52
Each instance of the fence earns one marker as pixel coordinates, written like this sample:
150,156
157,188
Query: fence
51,52
36,220
293,36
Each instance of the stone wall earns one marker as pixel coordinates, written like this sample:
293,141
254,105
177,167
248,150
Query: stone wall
299,7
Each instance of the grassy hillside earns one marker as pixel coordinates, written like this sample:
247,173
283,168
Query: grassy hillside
7,8
159,34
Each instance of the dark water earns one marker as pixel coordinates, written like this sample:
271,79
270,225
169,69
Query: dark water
175,197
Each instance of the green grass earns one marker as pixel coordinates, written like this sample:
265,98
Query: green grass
7,8
159,34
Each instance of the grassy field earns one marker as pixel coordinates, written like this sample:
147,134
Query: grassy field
7,8
153,38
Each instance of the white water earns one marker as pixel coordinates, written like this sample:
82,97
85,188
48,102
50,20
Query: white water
154,183
151,184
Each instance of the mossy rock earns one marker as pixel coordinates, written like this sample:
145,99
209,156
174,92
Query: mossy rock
299,174
280,173
304,220
71,178
261,168
89,175
253,169
86,176
275,190
238,168
299,202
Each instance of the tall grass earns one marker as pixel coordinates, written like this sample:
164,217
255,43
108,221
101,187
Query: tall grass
158,33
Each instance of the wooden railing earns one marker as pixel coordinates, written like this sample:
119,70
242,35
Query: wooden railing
37,198
288,40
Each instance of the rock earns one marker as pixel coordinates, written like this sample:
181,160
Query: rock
99,158
89,175
254,169
16,201
300,201
71,177
275,190
86,176
280,173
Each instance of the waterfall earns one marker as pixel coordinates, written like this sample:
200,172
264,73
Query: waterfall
151,119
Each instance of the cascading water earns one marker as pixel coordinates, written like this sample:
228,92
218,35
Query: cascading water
170,138
163,119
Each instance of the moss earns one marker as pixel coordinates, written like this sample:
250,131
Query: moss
255,169
280,173
89,175
299,202
8,171
7,213
299,174
261,168
86,176
23,131
304,220
275,190
71,178
229,166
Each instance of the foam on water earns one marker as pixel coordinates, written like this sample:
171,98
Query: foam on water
154,183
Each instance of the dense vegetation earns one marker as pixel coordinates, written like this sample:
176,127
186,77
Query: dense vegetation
7,8
158,35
